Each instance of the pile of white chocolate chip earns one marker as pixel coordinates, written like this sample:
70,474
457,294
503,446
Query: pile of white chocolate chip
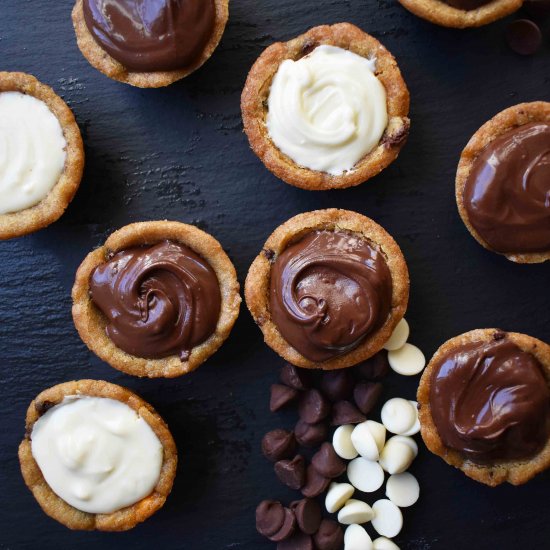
370,455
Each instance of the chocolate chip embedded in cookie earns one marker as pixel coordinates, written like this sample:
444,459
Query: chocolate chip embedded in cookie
503,183
462,13
91,426
42,155
484,405
149,43
158,299
333,292
326,110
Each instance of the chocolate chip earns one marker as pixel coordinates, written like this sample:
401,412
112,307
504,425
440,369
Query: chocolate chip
313,407
397,135
287,529
294,377
270,516
524,37
298,541
329,536
327,462
308,47
308,514
42,407
281,396
315,483
278,444
268,253
499,335
374,368
345,412
337,385
292,473
310,435
366,395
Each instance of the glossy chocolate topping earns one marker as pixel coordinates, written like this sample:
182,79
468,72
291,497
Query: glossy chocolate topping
467,5
507,194
328,291
151,35
490,401
159,300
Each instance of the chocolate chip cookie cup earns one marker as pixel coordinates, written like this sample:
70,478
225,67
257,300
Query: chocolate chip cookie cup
326,110
484,405
96,456
43,158
328,289
503,183
462,14
157,299
149,48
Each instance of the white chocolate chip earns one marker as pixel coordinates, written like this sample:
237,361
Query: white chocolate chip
365,475
338,494
355,511
396,457
342,442
363,440
382,543
399,336
402,489
378,431
416,426
398,415
356,538
408,441
407,360
388,519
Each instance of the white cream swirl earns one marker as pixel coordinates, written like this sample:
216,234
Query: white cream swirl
327,110
96,453
32,151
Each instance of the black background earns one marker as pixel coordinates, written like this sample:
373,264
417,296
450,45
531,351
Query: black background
179,153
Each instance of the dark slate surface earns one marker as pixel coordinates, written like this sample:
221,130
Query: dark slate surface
179,153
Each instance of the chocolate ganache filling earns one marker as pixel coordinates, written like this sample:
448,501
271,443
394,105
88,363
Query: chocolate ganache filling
151,35
507,194
467,5
329,291
159,300
490,401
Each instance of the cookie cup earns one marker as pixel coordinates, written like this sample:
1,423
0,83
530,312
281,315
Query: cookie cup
256,92
104,63
91,323
50,208
53,505
257,285
513,117
515,472
440,13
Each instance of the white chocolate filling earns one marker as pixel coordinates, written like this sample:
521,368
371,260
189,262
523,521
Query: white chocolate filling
32,151
327,110
97,454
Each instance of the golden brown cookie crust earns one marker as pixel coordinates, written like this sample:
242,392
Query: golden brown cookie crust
518,115
440,13
53,505
258,282
91,323
105,64
515,472
49,209
256,92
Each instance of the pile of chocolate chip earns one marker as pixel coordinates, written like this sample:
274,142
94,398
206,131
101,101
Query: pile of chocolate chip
524,36
332,398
